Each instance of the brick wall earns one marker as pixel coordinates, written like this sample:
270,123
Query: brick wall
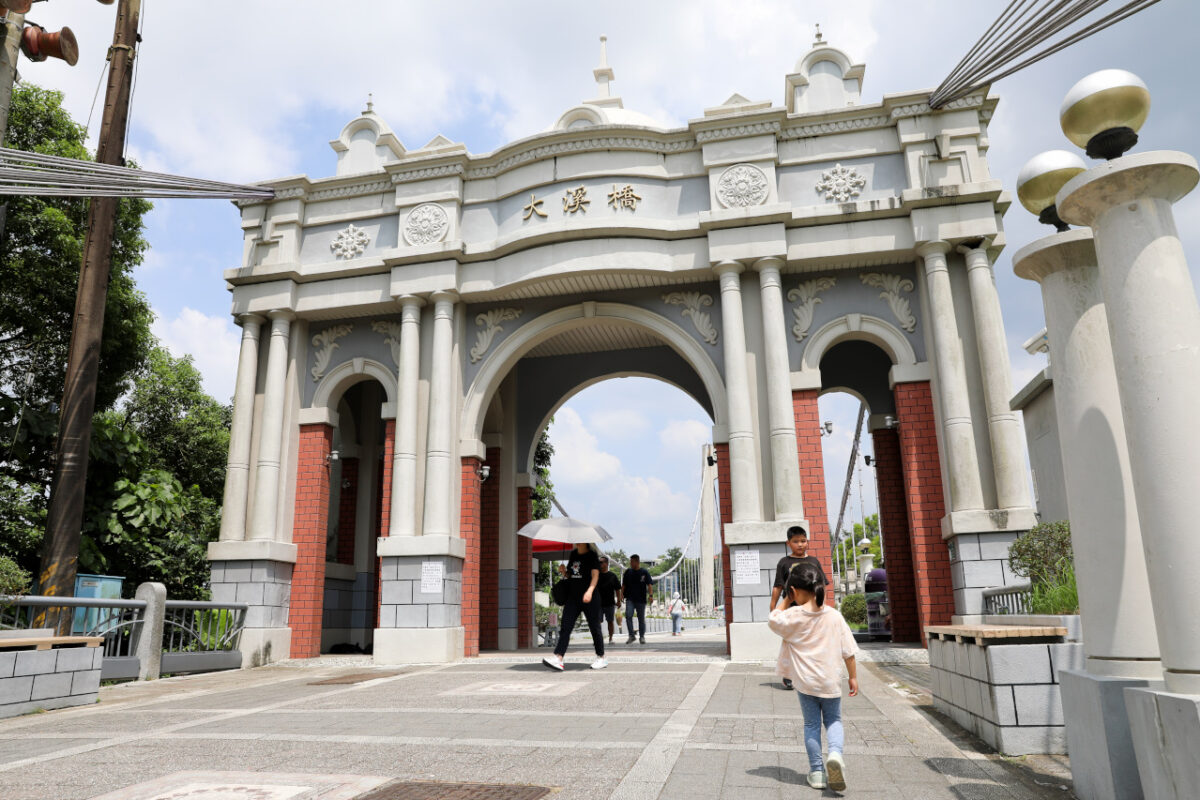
812,475
489,554
308,534
897,543
347,511
385,514
469,525
725,504
926,504
524,570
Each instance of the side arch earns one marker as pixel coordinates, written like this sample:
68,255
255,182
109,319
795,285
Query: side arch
346,374
860,327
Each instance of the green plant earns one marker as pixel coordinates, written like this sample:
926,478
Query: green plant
1043,554
1059,595
13,579
854,609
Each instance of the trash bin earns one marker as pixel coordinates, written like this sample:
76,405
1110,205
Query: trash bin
95,620
875,588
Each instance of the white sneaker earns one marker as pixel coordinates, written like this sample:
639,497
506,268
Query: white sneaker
816,779
837,772
600,663
554,662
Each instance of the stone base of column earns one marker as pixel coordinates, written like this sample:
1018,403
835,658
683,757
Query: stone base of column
418,645
752,641
1165,728
1103,764
508,640
404,604
262,646
264,585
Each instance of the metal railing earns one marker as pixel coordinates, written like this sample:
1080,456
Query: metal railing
1013,599
144,637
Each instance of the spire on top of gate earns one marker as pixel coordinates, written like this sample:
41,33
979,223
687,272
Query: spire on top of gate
604,109
825,79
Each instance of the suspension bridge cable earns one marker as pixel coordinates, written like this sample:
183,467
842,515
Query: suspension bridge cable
862,414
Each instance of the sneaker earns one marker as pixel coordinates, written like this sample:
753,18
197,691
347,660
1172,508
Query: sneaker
554,662
787,683
837,772
631,640
816,779
600,663
643,640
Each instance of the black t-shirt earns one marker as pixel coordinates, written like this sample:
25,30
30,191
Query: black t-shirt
579,574
787,562
635,583
606,588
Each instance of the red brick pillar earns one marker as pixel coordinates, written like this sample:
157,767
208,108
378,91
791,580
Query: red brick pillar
347,511
385,507
489,555
926,504
725,504
897,542
469,526
524,570
812,475
308,534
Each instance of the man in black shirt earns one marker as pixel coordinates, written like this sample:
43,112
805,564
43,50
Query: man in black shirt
607,589
637,588
797,539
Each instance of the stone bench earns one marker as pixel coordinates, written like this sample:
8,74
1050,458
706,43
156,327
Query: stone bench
1000,682
46,672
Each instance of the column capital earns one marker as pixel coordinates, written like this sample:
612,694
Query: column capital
1161,174
769,263
253,319
1054,253
444,296
936,247
411,301
726,267
281,314
977,255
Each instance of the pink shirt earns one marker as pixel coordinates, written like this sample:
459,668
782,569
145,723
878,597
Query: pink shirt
815,645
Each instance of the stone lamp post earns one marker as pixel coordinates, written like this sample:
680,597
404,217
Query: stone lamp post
1154,329
1119,637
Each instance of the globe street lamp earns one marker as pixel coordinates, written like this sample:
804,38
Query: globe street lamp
1104,111
1041,178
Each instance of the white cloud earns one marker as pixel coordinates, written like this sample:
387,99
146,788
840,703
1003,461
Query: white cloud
618,423
684,437
578,459
213,343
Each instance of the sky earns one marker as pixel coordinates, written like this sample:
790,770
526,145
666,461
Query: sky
252,91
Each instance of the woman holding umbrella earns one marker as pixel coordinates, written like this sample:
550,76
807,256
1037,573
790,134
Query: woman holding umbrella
583,572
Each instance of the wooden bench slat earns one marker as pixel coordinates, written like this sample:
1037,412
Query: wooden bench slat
47,642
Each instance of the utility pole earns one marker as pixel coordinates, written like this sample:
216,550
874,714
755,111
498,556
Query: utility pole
60,552
10,49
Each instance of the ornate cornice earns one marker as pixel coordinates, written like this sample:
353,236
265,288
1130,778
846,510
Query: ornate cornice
837,126
738,131
353,190
916,109
440,171
640,143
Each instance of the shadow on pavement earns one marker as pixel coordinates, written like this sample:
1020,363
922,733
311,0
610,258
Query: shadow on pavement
785,775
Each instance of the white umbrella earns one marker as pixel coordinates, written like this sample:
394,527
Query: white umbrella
567,530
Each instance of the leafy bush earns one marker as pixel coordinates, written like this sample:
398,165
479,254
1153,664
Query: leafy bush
13,579
1043,554
1058,595
854,609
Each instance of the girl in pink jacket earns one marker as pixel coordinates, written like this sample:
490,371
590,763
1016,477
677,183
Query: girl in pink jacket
816,639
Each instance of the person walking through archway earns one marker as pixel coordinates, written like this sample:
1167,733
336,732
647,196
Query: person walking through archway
797,542
583,573
608,587
637,588
676,608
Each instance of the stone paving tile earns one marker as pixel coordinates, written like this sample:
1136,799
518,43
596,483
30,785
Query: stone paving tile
17,749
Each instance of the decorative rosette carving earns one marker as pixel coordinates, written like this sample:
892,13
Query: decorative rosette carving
692,303
806,295
350,242
426,224
325,343
742,185
841,184
892,286
489,326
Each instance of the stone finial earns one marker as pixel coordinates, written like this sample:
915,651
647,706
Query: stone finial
370,109
603,73
819,41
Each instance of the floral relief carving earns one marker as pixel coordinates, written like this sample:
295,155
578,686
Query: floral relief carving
806,295
841,184
892,286
426,224
350,242
489,326
325,343
692,303
391,337
742,185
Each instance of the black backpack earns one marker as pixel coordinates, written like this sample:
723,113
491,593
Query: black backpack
559,592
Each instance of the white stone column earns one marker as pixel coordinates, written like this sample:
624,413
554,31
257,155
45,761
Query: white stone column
708,498
270,440
785,464
1154,326
403,517
237,467
966,491
1004,430
1119,634
441,406
743,471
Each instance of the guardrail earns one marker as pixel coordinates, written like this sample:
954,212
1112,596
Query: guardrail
1013,599
144,637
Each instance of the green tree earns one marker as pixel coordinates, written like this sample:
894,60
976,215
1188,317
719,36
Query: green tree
666,561
543,489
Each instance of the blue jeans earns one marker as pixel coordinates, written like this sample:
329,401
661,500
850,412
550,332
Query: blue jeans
640,609
676,619
816,710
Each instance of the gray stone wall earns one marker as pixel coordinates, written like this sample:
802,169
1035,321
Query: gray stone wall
752,602
507,609
265,585
404,605
979,561
46,679
348,603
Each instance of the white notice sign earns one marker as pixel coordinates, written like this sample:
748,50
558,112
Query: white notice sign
431,577
746,565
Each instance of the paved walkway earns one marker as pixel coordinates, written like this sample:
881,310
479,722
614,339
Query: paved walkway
678,724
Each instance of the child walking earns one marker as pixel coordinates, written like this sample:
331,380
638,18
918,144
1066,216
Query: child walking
815,639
